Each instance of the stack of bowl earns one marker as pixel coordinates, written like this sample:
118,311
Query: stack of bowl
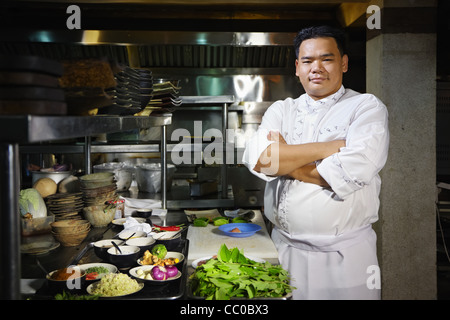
122,172
70,233
98,188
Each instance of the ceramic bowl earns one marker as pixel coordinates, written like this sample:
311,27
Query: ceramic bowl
101,247
124,235
72,278
146,243
171,244
126,259
99,216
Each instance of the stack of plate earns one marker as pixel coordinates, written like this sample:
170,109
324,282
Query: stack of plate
166,96
132,93
65,206
29,85
98,188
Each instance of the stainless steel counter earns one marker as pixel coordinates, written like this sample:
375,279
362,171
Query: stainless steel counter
30,129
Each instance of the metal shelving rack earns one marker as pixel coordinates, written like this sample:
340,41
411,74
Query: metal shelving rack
178,197
22,129
225,198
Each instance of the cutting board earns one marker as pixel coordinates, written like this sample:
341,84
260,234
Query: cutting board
206,241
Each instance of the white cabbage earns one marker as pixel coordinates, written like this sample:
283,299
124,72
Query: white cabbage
31,201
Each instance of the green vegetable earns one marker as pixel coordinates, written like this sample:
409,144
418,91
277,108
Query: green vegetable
98,269
68,296
239,220
160,251
201,222
31,201
234,275
218,221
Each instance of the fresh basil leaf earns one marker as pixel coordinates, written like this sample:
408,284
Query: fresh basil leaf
235,255
224,254
250,291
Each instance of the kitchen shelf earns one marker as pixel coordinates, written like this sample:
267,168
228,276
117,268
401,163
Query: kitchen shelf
31,128
26,129
112,147
179,198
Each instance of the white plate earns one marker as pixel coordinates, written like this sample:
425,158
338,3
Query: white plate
196,262
121,221
133,273
39,247
170,254
90,288
112,268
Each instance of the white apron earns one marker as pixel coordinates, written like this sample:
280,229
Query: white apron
324,236
331,267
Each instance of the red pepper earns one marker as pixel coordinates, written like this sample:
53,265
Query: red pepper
169,228
92,276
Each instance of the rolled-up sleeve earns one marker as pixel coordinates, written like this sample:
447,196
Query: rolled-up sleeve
256,145
365,153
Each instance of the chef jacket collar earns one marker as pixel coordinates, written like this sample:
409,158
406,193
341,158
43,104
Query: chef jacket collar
327,102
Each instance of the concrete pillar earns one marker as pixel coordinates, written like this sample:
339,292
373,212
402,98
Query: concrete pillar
401,71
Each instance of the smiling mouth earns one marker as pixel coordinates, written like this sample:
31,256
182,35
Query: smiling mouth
317,80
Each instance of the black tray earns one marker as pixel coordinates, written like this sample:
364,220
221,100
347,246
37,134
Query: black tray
170,291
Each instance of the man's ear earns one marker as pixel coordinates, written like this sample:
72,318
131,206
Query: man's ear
344,63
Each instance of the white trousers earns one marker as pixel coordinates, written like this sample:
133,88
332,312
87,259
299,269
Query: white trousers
325,269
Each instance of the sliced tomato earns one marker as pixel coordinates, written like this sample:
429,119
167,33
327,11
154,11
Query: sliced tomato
92,276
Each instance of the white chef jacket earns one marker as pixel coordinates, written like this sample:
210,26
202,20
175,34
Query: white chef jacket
314,225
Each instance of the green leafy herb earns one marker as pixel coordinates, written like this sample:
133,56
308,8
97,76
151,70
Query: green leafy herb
234,275
218,221
201,222
98,269
239,220
69,296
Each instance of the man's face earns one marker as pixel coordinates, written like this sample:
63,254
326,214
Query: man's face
320,67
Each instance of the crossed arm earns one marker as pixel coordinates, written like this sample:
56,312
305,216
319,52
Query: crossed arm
296,161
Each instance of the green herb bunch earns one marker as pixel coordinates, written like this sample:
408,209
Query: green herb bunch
69,296
232,275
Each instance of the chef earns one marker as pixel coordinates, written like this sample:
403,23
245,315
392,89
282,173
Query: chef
321,154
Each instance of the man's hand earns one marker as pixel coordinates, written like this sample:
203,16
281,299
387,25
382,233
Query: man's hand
276,136
281,159
308,173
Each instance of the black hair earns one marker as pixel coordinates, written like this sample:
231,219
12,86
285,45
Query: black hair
321,32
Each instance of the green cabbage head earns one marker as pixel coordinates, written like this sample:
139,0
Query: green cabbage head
30,201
